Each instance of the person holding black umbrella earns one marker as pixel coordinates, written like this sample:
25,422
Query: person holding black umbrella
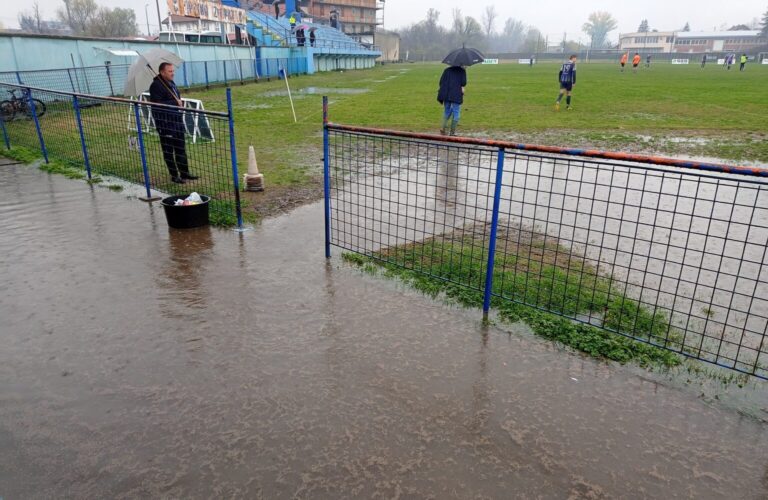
451,96
452,84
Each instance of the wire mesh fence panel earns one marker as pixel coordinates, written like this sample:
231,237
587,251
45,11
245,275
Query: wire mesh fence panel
187,144
109,79
58,126
19,123
399,201
184,149
669,256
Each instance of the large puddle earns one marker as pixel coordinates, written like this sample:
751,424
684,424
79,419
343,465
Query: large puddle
305,91
140,362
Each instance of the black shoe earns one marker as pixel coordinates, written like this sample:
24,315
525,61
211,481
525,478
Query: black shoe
189,177
178,180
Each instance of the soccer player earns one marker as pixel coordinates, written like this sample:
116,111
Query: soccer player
648,61
623,60
743,61
703,61
567,80
635,62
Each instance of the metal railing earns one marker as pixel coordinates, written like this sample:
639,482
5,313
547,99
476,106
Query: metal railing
109,80
140,143
667,252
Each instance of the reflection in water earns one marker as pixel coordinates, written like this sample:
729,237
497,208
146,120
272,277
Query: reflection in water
181,278
319,382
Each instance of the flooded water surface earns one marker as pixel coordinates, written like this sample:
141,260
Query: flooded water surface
143,362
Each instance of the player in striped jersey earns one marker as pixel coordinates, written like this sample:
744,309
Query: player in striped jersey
567,80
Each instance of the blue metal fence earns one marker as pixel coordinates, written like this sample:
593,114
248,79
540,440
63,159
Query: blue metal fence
109,80
121,138
668,252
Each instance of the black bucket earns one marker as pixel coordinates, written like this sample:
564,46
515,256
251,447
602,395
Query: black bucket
185,217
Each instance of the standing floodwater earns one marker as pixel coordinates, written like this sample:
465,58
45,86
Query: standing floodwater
139,362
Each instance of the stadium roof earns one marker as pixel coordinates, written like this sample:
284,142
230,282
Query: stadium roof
717,34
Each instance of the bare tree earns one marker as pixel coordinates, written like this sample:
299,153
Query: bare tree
78,14
466,30
489,20
115,22
32,21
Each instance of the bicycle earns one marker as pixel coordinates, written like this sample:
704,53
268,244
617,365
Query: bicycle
20,105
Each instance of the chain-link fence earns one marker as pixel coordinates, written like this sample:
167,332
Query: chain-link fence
671,253
109,79
168,149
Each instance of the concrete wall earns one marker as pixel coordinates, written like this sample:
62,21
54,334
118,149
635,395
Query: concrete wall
389,45
36,52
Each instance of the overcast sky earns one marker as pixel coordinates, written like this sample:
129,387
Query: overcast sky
552,17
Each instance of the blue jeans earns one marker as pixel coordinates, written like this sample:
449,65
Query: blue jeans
452,109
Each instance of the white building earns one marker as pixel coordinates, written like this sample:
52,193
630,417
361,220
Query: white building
653,42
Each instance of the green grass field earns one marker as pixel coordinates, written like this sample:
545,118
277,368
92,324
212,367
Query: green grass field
669,110
673,110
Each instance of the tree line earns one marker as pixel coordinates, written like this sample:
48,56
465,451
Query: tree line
429,40
82,17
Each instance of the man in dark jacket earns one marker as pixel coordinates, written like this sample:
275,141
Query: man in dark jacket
451,95
170,124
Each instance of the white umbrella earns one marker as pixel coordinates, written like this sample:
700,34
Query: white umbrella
143,71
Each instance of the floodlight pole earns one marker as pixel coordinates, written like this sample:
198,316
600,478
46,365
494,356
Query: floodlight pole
159,20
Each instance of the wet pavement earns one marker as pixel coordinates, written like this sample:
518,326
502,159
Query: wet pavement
142,362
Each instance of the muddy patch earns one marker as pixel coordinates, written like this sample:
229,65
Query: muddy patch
278,200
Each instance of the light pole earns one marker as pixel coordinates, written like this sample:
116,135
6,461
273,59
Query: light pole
159,21
146,16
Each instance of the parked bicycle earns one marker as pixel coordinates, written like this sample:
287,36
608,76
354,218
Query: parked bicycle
20,105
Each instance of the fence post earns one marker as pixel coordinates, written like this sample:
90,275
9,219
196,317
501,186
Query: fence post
144,167
18,78
255,71
184,72
233,156
494,232
240,64
207,84
224,65
86,158
31,104
326,179
71,82
109,78
5,133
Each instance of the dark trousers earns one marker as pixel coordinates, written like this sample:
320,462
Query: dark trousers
174,151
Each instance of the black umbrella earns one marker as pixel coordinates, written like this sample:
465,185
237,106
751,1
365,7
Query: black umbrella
464,57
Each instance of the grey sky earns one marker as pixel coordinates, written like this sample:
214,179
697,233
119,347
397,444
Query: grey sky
552,17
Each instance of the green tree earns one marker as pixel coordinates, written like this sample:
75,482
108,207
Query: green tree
764,30
643,27
598,26
687,27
